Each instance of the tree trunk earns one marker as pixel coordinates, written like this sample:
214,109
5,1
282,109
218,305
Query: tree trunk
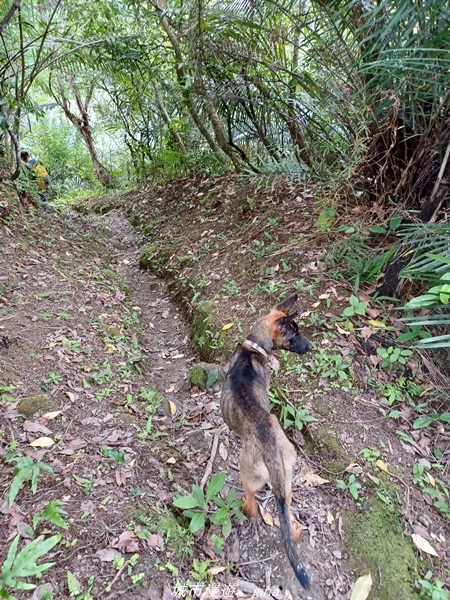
82,124
168,121
181,77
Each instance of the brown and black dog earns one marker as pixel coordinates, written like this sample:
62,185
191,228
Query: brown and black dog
267,454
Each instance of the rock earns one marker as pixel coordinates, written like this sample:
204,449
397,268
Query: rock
206,375
424,520
425,463
337,554
419,529
30,405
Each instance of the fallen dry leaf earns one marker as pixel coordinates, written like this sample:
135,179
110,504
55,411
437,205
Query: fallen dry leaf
330,518
76,444
266,517
311,479
52,415
107,554
42,442
121,475
227,326
431,479
154,540
423,545
376,323
172,407
36,427
172,460
382,465
362,587
216,570
127,542
70,396
354,468
342,331
223,451
366,332
167,593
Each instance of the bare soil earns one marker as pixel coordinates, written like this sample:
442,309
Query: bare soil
90,342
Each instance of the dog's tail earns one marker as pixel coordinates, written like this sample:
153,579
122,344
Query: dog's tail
289,545
275,466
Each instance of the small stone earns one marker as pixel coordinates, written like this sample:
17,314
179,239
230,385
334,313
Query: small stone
329,582
419,529
424,520
205,375
337,554
425,463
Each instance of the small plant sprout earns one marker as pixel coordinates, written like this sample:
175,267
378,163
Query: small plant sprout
200,507
357,307
352,486
392,358
26,469
23,564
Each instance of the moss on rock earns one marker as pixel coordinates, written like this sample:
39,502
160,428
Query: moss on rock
375,542
30,405
146,256
205,375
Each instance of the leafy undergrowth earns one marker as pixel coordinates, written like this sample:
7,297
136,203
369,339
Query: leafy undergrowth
105,449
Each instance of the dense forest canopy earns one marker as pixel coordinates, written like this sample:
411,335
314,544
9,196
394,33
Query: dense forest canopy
276,85
354,94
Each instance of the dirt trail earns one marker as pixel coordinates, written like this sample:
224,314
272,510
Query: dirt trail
165,335
97,349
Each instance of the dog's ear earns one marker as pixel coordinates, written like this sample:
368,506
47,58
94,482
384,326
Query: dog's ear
286,305
284,323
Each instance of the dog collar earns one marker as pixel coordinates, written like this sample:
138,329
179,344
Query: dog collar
256,347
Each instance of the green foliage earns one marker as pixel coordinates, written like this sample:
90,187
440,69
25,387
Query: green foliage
332,366
200,570
399,390
25,469
23,564
393,358
434,487
357,307
55,143
289,415
432,588
352,486
75,590
53,513
197,507
430,266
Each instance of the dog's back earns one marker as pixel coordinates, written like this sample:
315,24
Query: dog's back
244,394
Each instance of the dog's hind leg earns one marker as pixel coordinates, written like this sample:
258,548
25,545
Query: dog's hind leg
254,475
289,462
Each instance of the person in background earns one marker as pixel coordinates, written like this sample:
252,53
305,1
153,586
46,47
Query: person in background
37,172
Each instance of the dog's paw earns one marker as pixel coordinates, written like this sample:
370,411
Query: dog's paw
250,508
296,529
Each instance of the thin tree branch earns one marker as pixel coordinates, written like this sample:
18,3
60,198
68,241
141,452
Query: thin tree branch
9,15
